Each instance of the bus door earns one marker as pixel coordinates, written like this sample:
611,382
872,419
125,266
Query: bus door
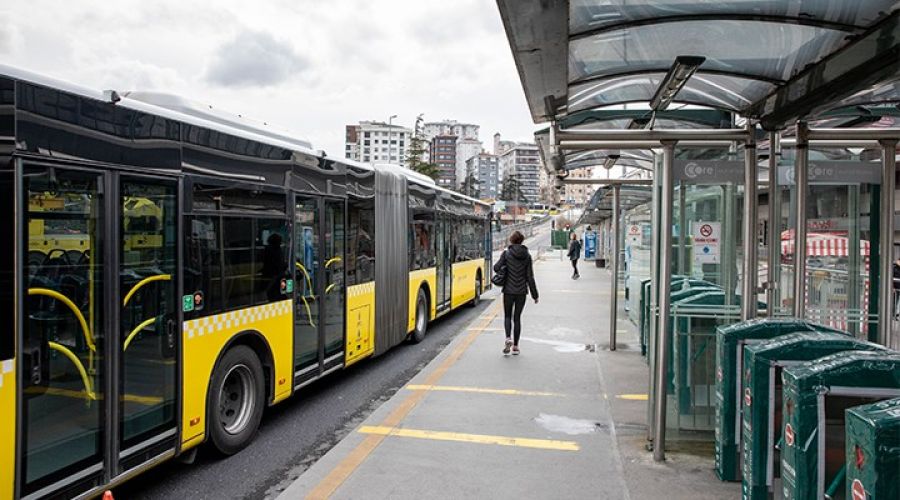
147,357
443,262
307,289
333,309
99,367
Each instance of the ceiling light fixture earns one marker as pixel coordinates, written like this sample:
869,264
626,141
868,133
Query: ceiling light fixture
681,71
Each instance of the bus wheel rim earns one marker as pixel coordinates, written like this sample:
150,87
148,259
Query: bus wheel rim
237,399
420,317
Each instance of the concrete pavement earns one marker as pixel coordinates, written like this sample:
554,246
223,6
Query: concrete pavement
565,419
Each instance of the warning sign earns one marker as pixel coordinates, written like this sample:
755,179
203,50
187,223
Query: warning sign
789,435
706,242
857,490
633,235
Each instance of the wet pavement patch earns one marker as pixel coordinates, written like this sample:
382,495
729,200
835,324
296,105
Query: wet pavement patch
566,425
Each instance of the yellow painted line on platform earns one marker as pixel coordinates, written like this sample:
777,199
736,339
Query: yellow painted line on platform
487,329
480,390
632,397
544,444
330,483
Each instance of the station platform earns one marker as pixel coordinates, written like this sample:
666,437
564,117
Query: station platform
565,419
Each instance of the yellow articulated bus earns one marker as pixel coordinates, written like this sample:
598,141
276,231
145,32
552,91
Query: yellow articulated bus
171,271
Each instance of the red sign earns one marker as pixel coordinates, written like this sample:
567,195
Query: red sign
747,398
858,492
706,230
789,435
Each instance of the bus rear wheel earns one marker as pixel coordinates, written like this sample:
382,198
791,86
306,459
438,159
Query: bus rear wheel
478,289
236,400
421,324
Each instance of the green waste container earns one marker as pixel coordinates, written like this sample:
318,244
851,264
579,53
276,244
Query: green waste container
761,399
730,342
816,394
692,297
559,238
679,283
873,451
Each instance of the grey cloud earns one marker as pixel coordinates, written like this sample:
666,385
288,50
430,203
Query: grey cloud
254,58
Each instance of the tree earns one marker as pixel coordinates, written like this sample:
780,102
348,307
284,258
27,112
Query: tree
511,191
416,151
470,185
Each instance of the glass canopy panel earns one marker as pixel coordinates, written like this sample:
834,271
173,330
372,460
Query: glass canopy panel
714,90
887,92
767,50
586,15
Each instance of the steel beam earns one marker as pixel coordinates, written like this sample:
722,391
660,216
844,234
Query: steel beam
751,220
837,143
662,316
591,145
886,246
614,280
652,135
611,182
774,236
801,181
853,134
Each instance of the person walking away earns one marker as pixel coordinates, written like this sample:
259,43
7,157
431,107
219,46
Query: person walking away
574,253
516,264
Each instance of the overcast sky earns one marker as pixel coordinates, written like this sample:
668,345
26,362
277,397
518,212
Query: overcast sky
310,66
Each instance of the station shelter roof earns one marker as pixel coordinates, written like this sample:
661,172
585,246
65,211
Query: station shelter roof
771,60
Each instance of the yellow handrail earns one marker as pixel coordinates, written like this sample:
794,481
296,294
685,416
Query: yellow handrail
308,312
329,287
149,279
331,261
88,336
306,274
137,330
88,387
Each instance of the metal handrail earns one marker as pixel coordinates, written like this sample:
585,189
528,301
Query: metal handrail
88,336
88,387
139,284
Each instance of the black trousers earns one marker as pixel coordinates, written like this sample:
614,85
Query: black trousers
575,265
512,312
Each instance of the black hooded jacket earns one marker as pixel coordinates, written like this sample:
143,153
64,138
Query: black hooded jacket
519,273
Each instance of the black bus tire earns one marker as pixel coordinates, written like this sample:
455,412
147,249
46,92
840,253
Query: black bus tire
420,326
236,399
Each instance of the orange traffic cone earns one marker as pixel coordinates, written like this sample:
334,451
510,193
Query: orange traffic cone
107,495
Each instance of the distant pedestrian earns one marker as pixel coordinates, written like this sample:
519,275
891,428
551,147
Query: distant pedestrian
515,265
574,254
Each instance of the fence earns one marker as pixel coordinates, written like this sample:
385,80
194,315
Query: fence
526,228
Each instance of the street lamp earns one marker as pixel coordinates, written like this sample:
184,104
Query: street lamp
390,136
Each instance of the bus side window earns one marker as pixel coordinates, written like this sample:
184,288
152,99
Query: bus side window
202,273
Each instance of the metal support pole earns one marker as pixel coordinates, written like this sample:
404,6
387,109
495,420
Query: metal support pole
665,289
801,181
751,221
886,247
614,279
774,236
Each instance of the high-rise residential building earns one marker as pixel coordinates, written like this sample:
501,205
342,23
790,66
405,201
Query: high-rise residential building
467,143
578,194
377,142
450,127
523,163
443,155
465,150
485,169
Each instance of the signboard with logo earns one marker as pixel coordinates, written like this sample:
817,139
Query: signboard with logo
834,172
633,235
709,171
706,236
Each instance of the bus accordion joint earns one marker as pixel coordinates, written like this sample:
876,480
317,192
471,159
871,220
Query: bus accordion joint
136,331
88,336
136,287
88,387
